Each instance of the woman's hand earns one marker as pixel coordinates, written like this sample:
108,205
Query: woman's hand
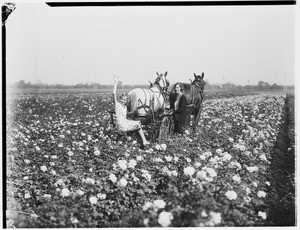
116,79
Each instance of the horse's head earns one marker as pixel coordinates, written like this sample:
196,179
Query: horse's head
198,81
161,81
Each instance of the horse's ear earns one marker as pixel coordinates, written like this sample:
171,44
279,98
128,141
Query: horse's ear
202,74
194,75
157,73
166,73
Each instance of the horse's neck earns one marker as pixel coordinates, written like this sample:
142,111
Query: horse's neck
154,88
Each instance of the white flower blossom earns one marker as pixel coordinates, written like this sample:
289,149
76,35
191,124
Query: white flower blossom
90,181
70,153
231,195
97,152
65,192
263,215
236,178
211,172
189,171
216,217
252,169
147,205
123,182
168,158
132,163
101,196
202,175
74,220
159,204
164,219
93,200
226,157
261,194
44,168
139,158
176,159
122,164
79,192
27,161
163,147
113,178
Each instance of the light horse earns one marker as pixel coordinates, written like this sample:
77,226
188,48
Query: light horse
194,93
142,102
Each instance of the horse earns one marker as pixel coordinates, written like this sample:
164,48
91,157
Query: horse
194,93
142,102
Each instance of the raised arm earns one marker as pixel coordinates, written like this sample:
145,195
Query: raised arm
116,79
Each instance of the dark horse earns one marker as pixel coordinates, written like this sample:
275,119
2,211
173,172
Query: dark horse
194,93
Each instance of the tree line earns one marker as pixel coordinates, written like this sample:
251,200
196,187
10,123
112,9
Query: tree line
261,85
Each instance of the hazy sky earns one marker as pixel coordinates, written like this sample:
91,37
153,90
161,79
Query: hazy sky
70,45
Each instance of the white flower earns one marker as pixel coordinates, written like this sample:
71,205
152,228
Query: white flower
146,221
90,181
147,205
252,169
202,175
261,194
189,171
219,151
216,217
187,132
163,147
132,163
268,183
227,157
174,173
101,196
37,148
248,190
113,178
175,159
70,153
93,200
52,163
97,152
263,157
53,172
123,182
139,158
158,147
204,214
27,161
197,164
168,158
230,139
65,192
188,160
231,195
79,192
27,195
122,164
34,216
159,204
44,168
74,220
247,199
211,172
59,182
236,178
263,215
146,175
47,196
25,178
164,218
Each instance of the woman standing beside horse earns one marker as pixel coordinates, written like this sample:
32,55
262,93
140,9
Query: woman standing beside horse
179,107
123,124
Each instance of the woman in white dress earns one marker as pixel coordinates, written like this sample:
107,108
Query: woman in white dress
122,123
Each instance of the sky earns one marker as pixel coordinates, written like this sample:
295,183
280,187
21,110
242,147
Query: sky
71,45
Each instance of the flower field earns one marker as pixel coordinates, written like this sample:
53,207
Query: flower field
66,169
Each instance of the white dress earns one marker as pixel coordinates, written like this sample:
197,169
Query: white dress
123,124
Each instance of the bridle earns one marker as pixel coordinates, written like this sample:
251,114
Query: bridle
162,89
